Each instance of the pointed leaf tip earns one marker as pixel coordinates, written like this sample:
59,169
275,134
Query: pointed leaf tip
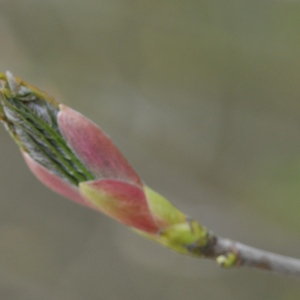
93,147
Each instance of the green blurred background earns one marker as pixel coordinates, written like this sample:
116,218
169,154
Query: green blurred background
202,97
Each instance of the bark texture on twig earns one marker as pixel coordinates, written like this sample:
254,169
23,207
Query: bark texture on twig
239,254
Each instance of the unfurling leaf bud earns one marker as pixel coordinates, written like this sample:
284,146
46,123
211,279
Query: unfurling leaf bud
72,156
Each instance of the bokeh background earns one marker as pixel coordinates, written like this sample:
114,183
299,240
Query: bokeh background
202,97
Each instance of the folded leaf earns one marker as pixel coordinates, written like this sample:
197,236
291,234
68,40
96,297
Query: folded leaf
120,200
94,148
55,183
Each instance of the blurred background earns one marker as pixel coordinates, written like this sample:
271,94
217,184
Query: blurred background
202,97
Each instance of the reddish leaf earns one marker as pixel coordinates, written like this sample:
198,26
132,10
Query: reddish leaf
53,182
123,201
93,147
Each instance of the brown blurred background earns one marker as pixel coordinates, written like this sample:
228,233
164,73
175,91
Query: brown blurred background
202,97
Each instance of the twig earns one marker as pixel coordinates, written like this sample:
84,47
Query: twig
231,253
